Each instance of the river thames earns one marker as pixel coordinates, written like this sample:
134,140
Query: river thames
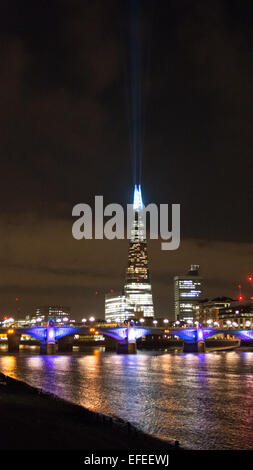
203,400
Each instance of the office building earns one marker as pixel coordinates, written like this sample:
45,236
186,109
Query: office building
237,314
57,313
117,308
188,291
207,311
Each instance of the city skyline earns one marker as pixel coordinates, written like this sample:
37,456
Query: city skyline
161,291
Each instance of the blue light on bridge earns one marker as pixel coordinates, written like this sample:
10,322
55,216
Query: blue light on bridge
65,331
51,334
200,334
37,333
116,333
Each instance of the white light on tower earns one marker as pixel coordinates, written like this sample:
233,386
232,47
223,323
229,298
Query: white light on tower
138,204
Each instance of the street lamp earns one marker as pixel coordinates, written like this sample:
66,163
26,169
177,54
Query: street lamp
155,322
92,319
165,320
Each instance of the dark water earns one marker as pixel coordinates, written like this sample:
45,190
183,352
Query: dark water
203,400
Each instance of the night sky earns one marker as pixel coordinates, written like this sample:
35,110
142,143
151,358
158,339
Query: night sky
64,138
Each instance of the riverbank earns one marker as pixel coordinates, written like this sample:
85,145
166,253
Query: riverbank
32,419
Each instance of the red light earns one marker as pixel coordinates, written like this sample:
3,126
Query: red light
239,286
250,278
5,317
240,297
17,299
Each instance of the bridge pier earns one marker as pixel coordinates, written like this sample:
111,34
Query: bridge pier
47,348
48,345
124,347
197,346
13,342
128,345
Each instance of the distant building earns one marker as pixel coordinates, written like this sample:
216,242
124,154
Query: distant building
238,313
208,310
117,308
188,291
56,312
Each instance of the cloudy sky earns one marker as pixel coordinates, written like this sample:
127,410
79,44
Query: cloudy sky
64,137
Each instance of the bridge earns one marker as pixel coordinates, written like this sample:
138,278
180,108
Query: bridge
125,335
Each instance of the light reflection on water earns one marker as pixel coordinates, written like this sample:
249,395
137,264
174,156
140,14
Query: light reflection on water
203,400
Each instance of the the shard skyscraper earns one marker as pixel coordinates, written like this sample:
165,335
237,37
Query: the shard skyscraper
137,287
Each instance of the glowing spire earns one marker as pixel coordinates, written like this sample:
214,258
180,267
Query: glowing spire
138,204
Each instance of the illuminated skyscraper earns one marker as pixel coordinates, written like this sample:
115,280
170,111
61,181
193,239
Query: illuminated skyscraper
117,309
188,291
137,285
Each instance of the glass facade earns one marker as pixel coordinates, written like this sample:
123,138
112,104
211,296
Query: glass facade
137,288
188,291
117,308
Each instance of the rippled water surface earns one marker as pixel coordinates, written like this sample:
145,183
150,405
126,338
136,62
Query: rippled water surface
203,400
